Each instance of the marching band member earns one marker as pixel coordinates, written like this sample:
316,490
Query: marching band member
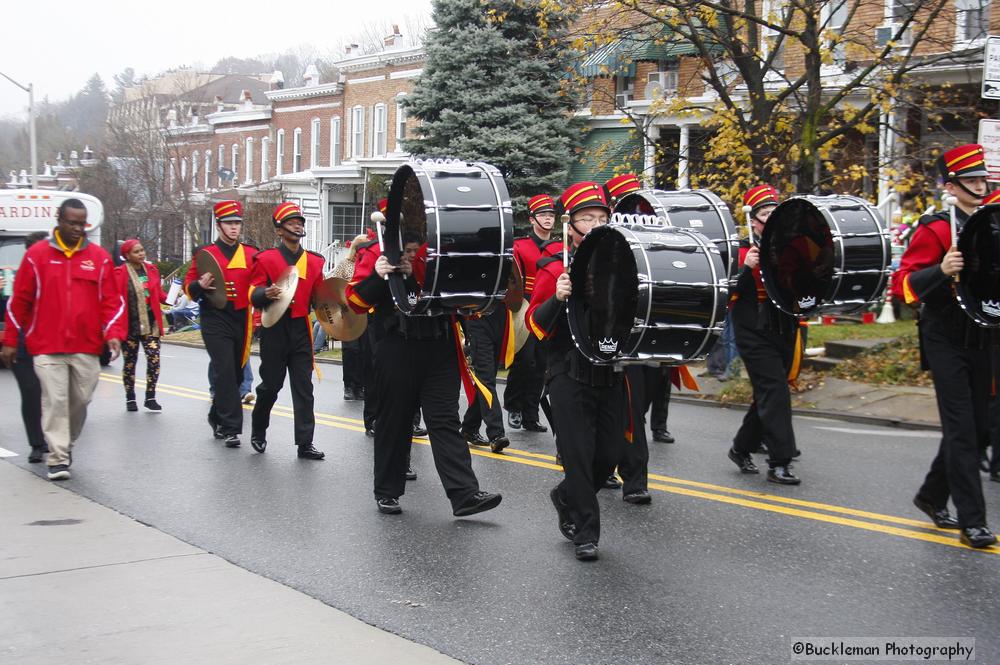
527,374
226,332
486,336
957,351
287,345
417,361
587,400
766,338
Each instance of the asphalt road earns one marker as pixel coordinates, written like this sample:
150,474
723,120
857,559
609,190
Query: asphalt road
721,568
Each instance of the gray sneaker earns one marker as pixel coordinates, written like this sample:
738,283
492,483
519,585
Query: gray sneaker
59,472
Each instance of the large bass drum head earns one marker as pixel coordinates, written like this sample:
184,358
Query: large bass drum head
605,293
978,287
797,257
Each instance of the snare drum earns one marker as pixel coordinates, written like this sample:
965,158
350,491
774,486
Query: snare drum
462,213
824,255
646,295
696,209
978,287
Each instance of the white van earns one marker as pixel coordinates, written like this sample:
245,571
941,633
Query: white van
23,211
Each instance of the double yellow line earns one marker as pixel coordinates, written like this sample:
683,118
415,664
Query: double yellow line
813,510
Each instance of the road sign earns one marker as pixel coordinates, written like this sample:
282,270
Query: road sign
989,138
991,68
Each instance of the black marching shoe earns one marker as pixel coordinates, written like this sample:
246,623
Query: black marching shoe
477,503
566,526
419,431
662,436
612,482
498,443
306,451
638,498
131,405
977,536
258,442
587,552
388,505
215,426
152,405
474,438
370,432
37,453
349,395
744,461
410,473
514,419
782,475
232,441
533,426
940,516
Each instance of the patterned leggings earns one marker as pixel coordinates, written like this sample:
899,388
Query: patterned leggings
130,353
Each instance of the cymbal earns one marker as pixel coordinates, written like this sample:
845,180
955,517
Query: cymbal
276,309
338,320
521,332
216,296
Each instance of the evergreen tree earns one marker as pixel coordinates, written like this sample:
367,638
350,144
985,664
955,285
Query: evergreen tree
493,89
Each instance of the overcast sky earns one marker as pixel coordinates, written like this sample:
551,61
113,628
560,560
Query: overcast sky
59,44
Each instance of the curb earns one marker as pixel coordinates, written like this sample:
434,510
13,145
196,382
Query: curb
899,423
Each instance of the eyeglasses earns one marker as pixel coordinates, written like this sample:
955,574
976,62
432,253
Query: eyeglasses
591,219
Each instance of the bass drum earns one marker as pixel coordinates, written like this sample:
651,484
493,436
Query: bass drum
824,255
696,209
461,214
978,286
646,295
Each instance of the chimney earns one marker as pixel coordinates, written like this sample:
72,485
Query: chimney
74,158
219,106
395,39
351,49
311,77
277,80
192,115
88,153
247,100
171,121
60,161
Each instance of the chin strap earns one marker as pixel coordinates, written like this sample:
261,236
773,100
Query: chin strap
958,182
294,233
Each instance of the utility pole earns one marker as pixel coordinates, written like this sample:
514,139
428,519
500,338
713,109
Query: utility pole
30,89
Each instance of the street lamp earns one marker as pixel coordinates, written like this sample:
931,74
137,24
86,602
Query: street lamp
30,89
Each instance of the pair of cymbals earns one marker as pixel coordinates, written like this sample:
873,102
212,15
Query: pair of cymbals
333,313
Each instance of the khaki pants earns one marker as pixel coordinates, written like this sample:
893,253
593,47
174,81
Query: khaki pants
68,381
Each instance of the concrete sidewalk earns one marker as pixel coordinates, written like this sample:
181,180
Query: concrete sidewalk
82,584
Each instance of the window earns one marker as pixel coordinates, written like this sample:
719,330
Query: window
665,75
172,175
279,164
221,164
208,167
334,141
400,123
772,41
314,144
345,220
624,90
897,12
184,172
973,19
265,154
235,163
834,18
194,171
297,150
358,132
380,130
248,159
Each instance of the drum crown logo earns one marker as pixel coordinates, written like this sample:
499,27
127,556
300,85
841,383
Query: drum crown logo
991,307
807,302
608,345
411,298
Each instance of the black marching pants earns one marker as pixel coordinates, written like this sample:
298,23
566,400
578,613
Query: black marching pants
590,427
767,356
31,398
286,347
525,381
223,332
658,396
962,384
646,389
408,373
484,347
371,397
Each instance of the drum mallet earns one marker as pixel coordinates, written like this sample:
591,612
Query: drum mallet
377,219
565,223
951,202
746,214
